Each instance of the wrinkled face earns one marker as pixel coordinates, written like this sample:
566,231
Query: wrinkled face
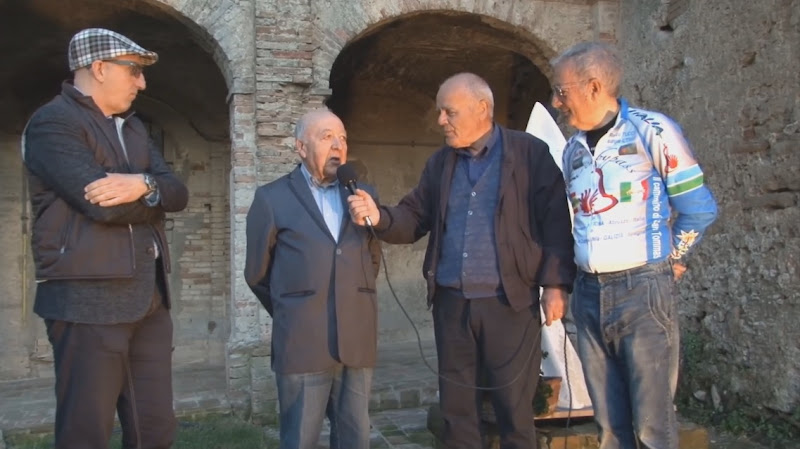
463,118
121,79
572,98
323,148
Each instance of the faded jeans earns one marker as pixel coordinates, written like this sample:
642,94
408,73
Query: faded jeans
341,394
628,336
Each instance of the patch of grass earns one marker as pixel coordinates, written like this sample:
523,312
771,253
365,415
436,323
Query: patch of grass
422,438
220,432
209,432
29,441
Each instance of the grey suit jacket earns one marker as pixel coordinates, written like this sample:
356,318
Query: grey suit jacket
320,293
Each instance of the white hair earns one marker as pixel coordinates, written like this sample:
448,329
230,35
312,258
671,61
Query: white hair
594,60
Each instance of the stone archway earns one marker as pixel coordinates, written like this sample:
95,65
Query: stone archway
186,104
542,28
384,85
393,55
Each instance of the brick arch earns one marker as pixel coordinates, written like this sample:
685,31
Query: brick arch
227,30
186,99
210,23
543,27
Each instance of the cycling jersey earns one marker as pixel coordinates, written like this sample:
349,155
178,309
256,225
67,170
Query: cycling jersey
622,195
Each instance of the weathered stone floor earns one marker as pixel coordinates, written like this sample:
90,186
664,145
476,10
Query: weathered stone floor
403,391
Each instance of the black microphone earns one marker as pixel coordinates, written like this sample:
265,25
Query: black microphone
346,175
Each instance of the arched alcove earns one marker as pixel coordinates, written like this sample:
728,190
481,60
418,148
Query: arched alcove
185,105
384,86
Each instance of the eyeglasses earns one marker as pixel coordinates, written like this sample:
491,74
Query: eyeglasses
135,68
561,92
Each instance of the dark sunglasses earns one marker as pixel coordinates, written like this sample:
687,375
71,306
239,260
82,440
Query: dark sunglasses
135,68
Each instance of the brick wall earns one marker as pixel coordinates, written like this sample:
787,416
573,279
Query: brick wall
296,44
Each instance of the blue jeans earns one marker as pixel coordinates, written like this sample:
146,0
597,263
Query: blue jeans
340,393
628,335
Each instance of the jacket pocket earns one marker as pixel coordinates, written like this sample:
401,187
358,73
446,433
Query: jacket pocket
661,300
67,245
527,255
298,294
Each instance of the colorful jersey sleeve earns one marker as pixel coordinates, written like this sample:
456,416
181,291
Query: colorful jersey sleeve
688,195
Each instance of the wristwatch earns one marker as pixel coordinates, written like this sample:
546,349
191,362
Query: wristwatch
150,182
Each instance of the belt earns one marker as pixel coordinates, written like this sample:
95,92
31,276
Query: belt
664,266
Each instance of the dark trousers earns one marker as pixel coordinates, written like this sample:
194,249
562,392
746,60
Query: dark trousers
123,367
486,339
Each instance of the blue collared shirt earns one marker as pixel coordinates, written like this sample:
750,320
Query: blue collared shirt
329,201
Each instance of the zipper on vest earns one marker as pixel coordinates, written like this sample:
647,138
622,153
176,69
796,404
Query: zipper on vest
67,231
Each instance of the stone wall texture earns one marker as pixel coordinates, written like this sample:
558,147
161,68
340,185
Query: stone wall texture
729,72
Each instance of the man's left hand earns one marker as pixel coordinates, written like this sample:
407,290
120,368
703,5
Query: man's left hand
678,269
116,189
554,303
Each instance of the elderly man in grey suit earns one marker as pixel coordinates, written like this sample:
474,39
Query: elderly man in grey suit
99,192
315,272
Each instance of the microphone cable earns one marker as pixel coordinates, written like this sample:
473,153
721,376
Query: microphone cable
347,176
474,387
569,388
419,338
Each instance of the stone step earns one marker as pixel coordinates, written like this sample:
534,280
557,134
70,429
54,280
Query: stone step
28,406
403,395
402,380
581,434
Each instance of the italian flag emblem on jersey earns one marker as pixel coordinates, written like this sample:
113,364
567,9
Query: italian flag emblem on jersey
629,190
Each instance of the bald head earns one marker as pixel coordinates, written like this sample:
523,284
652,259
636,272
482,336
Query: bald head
321,143
301,128
472,84
465,105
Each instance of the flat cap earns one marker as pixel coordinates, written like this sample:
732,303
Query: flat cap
93,44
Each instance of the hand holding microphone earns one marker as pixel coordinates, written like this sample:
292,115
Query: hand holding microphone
362,206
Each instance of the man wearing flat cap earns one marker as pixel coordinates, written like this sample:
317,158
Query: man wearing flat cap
99,191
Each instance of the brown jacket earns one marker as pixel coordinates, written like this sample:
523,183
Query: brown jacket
532,227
